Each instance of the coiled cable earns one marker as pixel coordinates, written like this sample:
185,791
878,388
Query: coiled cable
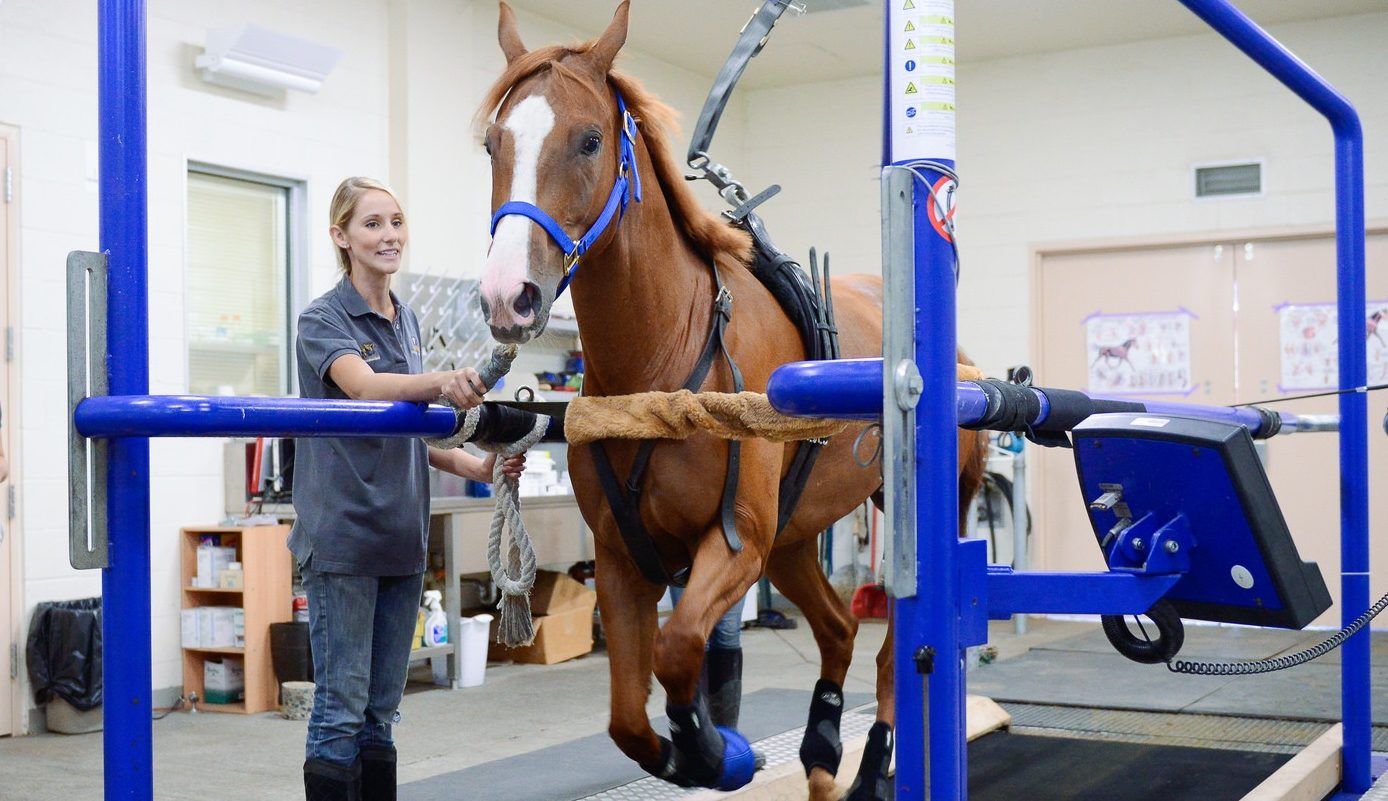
1278,662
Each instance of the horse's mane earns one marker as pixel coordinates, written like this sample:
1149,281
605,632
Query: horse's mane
717,239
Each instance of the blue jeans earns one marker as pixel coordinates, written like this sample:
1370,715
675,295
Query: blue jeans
727,632
361,629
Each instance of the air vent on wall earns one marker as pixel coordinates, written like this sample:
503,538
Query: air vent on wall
1224,180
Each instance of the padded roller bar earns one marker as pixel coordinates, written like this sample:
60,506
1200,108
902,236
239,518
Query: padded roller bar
853,389
218,416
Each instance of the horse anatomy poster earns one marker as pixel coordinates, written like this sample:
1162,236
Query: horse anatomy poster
1139,354
1309,344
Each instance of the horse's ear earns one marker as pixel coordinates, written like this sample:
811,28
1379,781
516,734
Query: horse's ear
605,48
506,33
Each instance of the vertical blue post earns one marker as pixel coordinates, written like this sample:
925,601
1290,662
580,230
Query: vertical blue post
919,131
1354,461
125,619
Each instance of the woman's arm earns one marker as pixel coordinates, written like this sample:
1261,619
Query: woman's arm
461,463
356,378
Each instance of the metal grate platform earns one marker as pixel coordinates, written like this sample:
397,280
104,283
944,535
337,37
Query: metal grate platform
779,749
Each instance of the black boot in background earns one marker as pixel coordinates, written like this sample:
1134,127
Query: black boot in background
324,781
723,677
378,774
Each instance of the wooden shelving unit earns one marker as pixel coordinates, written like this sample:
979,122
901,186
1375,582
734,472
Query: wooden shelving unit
265,599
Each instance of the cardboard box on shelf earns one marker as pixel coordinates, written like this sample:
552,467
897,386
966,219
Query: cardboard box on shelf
563,611
223,681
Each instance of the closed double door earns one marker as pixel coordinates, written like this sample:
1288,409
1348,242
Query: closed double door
1213,323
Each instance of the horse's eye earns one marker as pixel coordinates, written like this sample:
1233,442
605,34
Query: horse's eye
591,144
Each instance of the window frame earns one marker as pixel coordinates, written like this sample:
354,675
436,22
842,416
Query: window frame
296,255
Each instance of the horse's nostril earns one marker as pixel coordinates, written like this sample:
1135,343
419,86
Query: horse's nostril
528,299
486,308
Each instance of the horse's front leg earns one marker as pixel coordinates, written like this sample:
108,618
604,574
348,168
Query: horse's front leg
627,603
705,755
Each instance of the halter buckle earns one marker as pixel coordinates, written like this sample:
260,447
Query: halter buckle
628,126
571,259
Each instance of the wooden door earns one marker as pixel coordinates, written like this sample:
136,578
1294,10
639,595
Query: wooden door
1073,291
9,624
1286,334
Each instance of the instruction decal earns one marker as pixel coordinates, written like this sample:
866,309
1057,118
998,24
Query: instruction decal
921,78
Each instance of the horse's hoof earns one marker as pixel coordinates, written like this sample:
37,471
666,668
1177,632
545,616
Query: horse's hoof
739,760
760,758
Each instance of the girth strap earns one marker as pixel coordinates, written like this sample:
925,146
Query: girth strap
625,500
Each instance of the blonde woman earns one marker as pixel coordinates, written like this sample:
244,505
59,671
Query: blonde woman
362,503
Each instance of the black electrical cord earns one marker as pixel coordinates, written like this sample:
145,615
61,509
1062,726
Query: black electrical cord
1194,668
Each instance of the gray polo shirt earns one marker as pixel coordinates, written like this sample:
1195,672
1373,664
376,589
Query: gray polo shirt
362,502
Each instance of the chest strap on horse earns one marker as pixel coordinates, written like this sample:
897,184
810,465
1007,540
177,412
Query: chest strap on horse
625,500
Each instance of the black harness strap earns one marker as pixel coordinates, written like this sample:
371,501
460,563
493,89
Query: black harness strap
626,500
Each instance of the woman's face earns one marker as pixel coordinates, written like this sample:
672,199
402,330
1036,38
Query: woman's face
375,236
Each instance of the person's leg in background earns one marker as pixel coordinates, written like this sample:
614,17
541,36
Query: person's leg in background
397,607
722,674
342,611
721,677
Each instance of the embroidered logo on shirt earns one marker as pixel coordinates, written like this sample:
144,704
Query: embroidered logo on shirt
368,352
414,345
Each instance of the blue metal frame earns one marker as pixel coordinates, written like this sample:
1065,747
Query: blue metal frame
201,416
128,738
927,624
1233,25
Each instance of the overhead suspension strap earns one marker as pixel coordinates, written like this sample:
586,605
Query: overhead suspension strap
749,44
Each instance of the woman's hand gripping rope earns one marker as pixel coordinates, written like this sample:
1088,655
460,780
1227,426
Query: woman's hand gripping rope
506,462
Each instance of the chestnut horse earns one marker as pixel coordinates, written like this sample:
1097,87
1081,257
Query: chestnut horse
565,155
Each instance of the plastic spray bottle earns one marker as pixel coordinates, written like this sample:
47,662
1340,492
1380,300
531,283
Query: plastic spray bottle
436,624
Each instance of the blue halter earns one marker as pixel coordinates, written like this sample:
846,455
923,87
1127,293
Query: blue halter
623,190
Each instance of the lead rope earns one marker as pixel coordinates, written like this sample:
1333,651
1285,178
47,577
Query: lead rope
514,625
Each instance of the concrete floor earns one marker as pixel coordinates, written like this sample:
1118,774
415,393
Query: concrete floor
518,709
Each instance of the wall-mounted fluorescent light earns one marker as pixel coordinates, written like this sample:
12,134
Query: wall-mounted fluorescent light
254,59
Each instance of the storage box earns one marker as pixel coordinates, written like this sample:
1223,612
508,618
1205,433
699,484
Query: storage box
563,610
223,682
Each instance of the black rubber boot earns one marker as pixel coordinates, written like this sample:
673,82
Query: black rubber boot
324,781
378,774
722,677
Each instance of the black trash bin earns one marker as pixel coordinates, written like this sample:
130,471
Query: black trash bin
64,660
290,654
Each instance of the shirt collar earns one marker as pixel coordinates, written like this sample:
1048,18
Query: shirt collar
355,304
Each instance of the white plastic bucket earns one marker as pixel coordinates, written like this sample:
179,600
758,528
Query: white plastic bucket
472,649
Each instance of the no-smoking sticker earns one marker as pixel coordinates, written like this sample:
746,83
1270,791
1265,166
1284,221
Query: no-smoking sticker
940,208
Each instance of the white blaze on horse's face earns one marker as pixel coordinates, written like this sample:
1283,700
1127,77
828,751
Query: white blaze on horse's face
515,306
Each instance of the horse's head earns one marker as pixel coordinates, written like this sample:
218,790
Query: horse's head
556,146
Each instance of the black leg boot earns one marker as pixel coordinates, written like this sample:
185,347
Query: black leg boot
324,781
378,774
723,672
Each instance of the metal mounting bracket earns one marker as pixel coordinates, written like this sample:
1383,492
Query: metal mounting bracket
86,377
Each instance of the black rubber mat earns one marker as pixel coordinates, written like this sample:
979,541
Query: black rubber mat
593,764
1007,767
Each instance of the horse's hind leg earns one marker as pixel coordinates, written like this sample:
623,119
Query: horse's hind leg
628,606
871,782
795,571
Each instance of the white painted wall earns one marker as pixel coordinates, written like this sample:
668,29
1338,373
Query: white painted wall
398,106
1081,145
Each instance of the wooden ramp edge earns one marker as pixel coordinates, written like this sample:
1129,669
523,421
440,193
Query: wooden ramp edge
786,782
1309,776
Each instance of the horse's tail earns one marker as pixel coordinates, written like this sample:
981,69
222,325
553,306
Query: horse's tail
973,451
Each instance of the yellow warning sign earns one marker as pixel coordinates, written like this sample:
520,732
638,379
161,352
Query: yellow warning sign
910,88
910,26
910,44
909,130
909,5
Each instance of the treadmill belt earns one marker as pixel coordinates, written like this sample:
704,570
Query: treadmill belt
1006,767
